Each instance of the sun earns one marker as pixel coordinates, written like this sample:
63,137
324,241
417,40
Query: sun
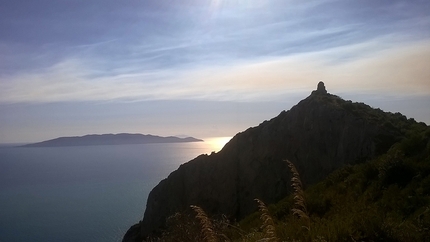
215,4
214,7
217,143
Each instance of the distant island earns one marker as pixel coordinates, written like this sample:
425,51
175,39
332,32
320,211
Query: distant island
110,139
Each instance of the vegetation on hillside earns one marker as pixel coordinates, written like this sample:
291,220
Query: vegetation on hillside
384,199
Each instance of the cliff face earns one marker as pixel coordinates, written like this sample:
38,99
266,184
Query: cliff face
319,134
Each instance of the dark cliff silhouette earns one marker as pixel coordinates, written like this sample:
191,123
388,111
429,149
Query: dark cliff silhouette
319,135
110,139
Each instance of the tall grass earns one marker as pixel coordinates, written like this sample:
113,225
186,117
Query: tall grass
268,223
299,209
208,231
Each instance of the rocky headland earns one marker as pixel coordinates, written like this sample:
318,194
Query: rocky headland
320,134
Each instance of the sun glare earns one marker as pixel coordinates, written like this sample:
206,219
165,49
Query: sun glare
217,143
215,4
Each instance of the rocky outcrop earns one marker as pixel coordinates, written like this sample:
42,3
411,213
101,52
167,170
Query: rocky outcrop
320,89
320,134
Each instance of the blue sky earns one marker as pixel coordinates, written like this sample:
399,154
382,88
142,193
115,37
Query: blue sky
201,67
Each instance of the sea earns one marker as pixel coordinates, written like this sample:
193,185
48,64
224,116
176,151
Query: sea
84,193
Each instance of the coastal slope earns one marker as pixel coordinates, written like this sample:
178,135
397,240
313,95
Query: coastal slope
319,135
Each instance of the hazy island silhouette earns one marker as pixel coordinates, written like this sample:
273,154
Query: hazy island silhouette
110,139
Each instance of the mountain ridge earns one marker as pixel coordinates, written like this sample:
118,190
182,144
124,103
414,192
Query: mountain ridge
320,134
110,139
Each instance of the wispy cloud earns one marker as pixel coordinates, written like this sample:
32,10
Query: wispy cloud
215,50
401,69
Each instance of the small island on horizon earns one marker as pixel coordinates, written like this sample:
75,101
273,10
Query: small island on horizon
110,139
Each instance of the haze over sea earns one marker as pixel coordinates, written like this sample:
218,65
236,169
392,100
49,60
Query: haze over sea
85,193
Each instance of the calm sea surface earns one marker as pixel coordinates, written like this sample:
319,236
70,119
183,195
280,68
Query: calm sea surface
89,193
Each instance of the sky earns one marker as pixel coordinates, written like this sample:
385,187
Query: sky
204,68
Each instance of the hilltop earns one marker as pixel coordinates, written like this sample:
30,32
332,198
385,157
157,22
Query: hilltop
321,134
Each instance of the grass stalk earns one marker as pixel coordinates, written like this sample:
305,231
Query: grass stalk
300,209
207,227
268,223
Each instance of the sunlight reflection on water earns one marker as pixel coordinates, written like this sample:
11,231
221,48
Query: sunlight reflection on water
86,193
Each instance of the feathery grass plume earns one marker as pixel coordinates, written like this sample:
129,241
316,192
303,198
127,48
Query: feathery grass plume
181,227
268,223
299,196
207,227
